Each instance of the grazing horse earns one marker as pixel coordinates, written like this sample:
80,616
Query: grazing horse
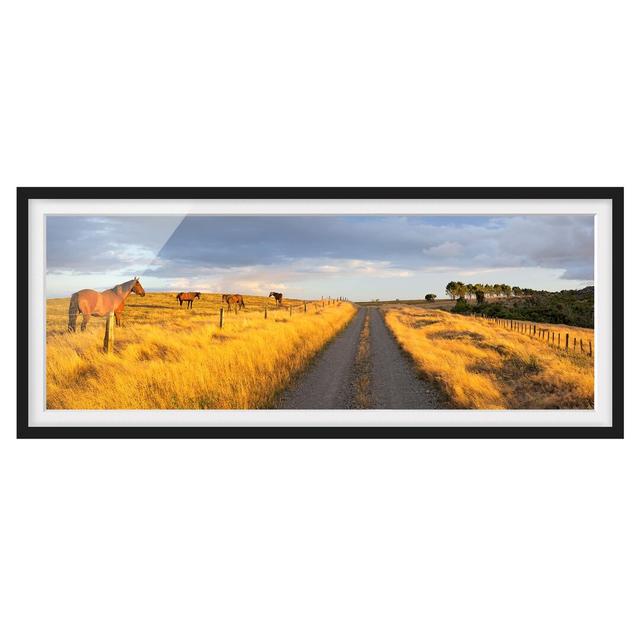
91,303
188,297
233,298
276,296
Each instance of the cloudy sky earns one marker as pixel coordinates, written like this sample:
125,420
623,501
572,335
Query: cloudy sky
360,257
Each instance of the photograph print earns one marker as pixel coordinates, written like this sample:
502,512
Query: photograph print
312,312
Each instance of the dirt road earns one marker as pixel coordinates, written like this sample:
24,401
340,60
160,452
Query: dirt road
333,378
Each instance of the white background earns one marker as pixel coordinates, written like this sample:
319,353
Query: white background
289,539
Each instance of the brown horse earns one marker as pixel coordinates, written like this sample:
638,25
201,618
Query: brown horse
233,298
188,297
276,296
91,303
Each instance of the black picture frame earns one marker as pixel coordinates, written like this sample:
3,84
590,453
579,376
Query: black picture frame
615,194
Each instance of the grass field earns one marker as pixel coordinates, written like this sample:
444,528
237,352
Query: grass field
168,357
482,366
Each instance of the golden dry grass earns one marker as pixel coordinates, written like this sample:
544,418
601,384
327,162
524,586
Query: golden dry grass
168,357
480,365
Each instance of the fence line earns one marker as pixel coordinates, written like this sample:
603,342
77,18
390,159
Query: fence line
109,331
542,334
200,312
250,307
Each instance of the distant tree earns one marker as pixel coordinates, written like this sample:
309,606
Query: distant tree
456,290
476,290
430,297
469,290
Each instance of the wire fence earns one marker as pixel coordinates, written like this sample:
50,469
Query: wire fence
556,338
204,312
216,314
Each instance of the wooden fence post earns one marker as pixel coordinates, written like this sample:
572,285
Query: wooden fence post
290,310
574,343
590,349
305,306
221,316
534,329
108,333
581,348
265,311
566,344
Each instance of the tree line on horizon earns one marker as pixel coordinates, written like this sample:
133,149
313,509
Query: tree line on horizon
457,290
570,306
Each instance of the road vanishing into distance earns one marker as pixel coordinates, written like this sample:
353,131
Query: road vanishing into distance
361,368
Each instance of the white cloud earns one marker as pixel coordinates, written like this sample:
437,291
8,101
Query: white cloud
445,250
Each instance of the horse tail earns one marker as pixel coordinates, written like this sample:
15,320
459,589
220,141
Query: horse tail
73,311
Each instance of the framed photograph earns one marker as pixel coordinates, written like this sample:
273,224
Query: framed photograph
320,312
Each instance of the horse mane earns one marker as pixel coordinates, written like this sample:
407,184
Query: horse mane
124,288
